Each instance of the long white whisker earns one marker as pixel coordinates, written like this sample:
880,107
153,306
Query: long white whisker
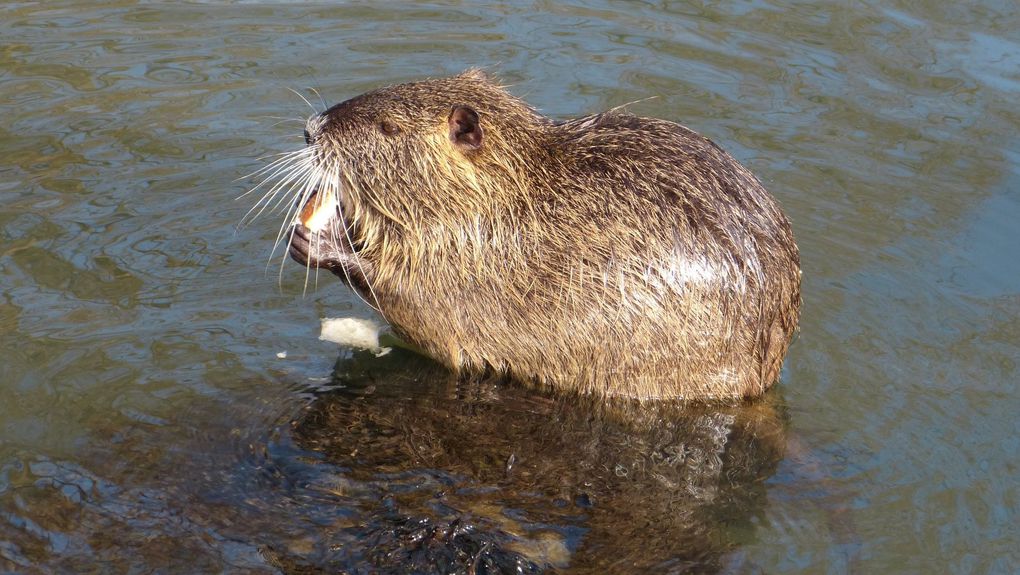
282,118
280,159
304,195
301,197
324,105
292,181
286,168
293,174
374,304
305,187
305,99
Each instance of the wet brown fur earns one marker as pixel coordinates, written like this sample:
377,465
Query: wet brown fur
608,254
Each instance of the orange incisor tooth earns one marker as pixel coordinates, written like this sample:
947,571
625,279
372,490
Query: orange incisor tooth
318,211
308,210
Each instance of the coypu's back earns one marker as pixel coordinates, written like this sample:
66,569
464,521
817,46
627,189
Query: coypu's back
609,254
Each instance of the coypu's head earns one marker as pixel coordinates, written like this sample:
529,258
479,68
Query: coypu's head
406,158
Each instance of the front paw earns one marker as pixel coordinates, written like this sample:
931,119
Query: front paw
314,249
300,246
322,250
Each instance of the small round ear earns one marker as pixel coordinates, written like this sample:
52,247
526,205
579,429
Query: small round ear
465,129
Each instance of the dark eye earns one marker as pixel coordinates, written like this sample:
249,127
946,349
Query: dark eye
389,128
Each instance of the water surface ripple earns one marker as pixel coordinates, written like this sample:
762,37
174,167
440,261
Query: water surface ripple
148,423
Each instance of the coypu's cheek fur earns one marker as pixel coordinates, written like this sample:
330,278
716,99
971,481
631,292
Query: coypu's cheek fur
609,254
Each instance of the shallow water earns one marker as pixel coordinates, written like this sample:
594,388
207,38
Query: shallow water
148,423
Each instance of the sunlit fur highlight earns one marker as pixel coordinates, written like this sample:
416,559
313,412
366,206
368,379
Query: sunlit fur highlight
609,254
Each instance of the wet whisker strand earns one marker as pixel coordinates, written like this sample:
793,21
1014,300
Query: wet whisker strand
280,159
290,182
299,95
303,193
292,175
321,100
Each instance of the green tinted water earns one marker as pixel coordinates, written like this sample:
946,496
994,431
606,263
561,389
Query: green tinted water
148,424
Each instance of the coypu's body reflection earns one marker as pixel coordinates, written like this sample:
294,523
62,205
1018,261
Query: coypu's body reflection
480,477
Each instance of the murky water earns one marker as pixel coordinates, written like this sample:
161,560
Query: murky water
147,423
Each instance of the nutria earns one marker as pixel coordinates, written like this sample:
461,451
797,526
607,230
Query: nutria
609,254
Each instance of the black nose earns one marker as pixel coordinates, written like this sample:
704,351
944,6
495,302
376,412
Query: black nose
308,138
